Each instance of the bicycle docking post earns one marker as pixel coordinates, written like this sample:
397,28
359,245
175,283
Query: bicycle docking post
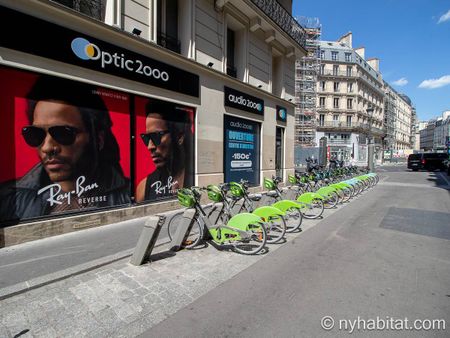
183,229
147,240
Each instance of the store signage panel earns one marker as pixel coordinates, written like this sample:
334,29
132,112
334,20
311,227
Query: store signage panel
242,101
58,43
281,114
241,149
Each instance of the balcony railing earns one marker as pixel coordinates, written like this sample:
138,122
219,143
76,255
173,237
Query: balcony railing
339,124
169,42
311,123
283,19
338,141
363,127
337,73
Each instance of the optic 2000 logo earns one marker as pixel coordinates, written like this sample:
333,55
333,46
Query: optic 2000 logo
89,51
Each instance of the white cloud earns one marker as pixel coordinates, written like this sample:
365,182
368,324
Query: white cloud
445,17
401,82
435,83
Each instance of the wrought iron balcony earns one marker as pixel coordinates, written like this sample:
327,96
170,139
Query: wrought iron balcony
338,73
339,141
344,125
283,19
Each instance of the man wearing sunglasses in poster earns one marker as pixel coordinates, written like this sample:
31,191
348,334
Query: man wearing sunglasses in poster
169,140
70,127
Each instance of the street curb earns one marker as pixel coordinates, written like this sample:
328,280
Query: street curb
37,282
57,276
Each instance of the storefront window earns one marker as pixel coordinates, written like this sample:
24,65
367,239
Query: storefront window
66,146
164,148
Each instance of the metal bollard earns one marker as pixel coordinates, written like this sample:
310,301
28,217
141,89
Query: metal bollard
147,240
183,229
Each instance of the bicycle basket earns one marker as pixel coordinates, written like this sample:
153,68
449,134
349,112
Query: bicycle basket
186,198
269,184
236,189
214,193
292,179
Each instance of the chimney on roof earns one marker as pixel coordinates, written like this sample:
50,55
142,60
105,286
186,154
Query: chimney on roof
360,51
374,63
347,39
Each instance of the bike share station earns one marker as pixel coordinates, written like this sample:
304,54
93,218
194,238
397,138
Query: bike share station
266,224
263,225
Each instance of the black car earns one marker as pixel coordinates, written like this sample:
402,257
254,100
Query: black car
415,162
427,161
433,161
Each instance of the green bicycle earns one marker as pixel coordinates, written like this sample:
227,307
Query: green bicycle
244,233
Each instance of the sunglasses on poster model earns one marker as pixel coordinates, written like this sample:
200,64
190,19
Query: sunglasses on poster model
155,137
64,135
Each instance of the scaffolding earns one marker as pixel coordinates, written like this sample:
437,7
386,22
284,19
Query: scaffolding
306,71
390,112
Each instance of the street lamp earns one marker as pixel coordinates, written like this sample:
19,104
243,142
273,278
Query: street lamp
370,149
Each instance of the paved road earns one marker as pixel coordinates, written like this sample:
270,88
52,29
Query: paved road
386,255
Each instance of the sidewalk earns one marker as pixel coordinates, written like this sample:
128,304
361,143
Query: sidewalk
122,300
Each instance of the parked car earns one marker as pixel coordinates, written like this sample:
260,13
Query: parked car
428,161
447,165
415,162
433,161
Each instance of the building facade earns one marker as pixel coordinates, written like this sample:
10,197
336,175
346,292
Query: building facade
442,132
347,86
419,127
217,76
413,139
399,117
427,136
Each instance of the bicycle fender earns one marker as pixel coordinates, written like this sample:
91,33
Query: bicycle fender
345,185
326,191
267,212
308,197
285,205
241,221
336,186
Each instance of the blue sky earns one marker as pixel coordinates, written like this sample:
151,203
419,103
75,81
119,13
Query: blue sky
410,37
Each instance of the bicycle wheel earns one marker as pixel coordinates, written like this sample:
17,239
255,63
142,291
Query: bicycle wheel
275,228
293,219
347,194
331,201
255,243
313,210
195,235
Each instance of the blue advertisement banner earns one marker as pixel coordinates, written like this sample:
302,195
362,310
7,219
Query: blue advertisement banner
241,150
